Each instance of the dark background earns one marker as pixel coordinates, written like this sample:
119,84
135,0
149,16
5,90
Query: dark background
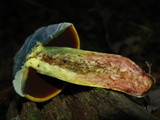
127,27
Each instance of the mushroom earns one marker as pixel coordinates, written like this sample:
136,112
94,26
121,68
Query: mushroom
49,58
27,82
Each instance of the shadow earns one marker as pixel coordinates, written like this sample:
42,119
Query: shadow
69,90
72,89
142,101
53,81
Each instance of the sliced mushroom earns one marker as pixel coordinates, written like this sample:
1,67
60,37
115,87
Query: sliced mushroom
27,82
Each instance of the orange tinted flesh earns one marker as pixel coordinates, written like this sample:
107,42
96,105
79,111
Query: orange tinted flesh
40,88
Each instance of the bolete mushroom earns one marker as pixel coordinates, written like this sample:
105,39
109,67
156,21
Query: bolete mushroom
27,82
88,68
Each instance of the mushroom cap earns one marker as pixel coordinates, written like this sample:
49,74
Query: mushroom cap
45,36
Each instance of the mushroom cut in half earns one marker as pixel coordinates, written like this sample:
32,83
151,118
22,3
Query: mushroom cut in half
49,58
27,81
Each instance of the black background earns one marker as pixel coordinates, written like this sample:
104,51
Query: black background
127,27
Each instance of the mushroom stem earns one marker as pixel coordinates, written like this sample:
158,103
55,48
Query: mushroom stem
90,69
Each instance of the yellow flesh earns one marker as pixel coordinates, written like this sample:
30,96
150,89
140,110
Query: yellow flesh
32,98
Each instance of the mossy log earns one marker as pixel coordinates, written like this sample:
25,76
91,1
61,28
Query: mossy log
79,103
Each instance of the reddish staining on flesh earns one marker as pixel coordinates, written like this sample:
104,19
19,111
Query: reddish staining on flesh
107,70
119,73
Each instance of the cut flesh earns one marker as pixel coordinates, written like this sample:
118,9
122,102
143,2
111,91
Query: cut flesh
32,85
91,69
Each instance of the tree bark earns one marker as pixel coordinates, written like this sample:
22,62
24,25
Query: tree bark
80,103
